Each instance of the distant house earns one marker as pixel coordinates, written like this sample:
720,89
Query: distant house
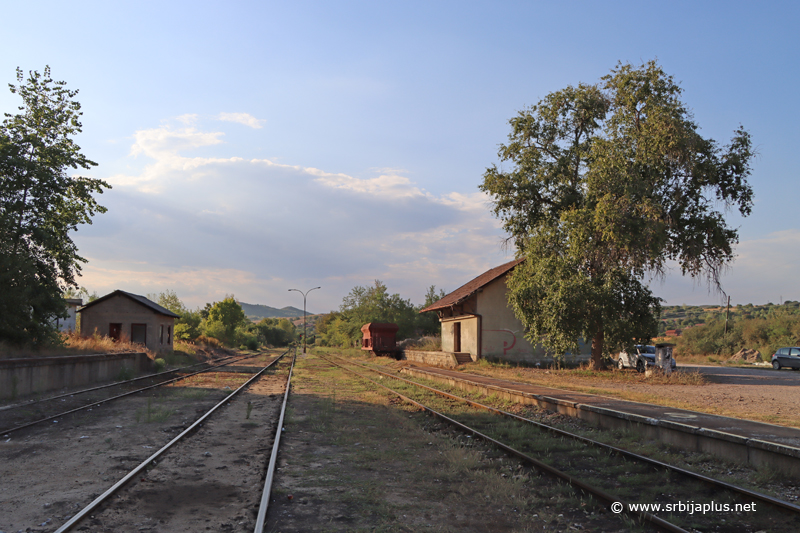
122,315
673,333
477,319
69,323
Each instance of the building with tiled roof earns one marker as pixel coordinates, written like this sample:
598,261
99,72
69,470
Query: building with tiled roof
476,319
123,315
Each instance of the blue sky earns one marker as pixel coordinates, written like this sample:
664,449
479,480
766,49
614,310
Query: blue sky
255,147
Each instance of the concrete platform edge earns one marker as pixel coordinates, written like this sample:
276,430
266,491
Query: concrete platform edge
737,448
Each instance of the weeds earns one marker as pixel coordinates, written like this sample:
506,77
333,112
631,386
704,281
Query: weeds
767,475
156,414
125,373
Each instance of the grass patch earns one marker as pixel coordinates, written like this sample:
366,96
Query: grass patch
153,413
188,393
125,373
384,466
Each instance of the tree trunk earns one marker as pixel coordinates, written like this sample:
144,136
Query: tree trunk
597,350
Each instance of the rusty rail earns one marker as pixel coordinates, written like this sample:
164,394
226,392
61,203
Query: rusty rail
100,499
775,502
597,493
262,508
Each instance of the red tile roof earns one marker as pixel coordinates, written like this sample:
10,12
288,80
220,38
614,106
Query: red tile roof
466,290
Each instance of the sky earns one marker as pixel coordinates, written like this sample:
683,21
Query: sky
256,147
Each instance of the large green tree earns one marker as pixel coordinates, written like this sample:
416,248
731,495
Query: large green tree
603,186
363,305
223,319
40,204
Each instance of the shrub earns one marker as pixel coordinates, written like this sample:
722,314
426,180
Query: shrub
124,374
159,365
208,341
765,334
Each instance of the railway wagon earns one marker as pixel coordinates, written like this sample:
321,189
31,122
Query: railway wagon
379,338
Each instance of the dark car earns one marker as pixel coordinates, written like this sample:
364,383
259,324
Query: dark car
642,357
786,358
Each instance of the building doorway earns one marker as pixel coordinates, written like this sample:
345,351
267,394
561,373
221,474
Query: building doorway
457,337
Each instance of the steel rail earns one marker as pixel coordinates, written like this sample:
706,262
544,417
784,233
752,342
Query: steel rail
97,501
597,493
716,483
6,432
75,393
262,508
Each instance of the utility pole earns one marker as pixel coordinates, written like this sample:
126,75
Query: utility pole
304,312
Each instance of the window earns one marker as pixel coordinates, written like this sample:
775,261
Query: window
139,333
161,335
169,335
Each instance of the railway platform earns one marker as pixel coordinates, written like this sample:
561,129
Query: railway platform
755,443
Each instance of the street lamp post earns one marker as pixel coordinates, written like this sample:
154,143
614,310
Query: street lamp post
304,312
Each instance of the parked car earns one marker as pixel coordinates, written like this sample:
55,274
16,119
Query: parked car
786,358
642,357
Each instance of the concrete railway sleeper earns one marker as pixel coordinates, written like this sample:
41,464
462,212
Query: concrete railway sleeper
614,473
12,429
168,492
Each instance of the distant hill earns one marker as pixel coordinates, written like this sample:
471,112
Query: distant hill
258,311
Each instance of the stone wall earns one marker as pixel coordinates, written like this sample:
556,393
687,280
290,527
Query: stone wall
440,359
21,377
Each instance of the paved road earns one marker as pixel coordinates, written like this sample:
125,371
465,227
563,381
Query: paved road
745,376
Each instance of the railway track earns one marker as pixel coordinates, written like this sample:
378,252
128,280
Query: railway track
20,416
214,481
610,474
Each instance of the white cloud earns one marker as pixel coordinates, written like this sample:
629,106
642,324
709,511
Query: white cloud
388,185
242,118
159,142
239,222
251,226
189,119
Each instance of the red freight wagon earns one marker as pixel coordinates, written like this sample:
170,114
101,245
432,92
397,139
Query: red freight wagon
379,338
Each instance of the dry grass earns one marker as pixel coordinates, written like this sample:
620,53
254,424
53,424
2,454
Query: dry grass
208,342
583,375
424,344
74,344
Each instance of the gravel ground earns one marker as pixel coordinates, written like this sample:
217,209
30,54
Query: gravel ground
52,470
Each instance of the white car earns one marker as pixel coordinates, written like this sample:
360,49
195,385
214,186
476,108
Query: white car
641,358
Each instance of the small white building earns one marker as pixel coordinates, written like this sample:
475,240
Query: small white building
70,323
477,319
